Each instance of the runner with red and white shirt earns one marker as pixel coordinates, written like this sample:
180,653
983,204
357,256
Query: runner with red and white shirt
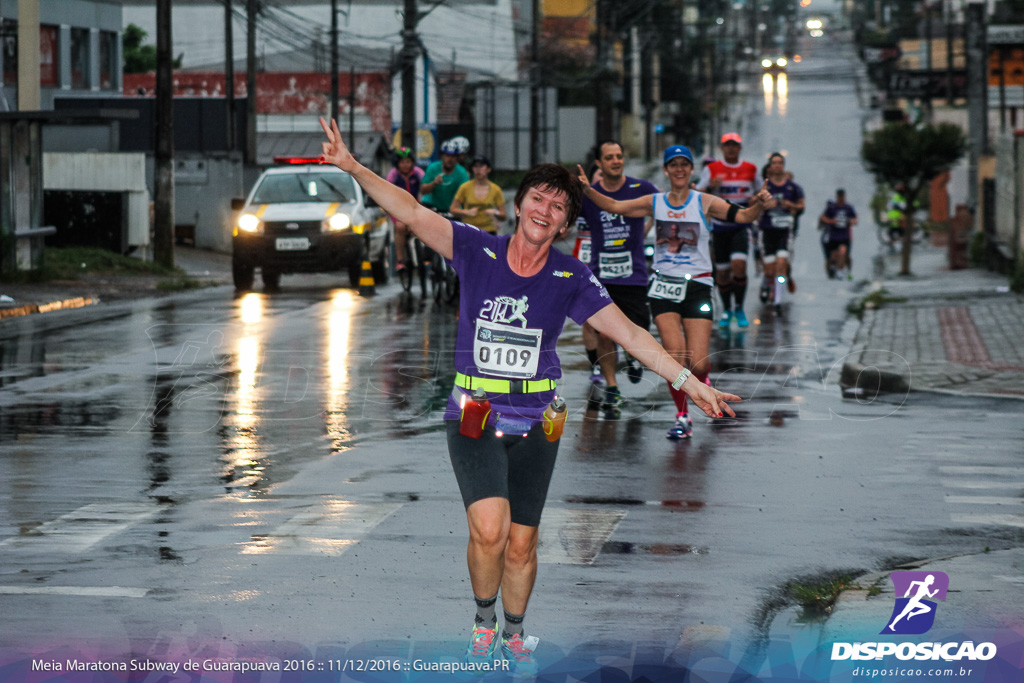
736,182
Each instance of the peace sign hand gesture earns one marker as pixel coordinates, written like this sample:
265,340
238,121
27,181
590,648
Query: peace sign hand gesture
334,150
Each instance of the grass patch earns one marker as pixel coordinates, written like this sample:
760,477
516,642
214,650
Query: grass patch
875,299
180,284
818,598
71,263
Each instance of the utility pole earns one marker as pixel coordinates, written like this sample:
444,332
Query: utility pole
534,85
948,6
229,77
410,51
163,239
604,124
352,106
977,96
334,61
250,83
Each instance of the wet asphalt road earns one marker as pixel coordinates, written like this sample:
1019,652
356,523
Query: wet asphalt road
203,474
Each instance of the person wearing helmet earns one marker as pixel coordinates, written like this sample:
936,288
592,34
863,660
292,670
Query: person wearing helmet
461,143
408,176
444,178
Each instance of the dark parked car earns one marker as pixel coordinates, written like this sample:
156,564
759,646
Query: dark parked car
304,217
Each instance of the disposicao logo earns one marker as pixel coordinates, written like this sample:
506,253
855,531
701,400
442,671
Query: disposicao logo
914,614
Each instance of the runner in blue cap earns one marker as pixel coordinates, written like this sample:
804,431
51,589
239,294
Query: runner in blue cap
680,291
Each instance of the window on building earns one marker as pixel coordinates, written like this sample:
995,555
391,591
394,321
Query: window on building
49,57
80,58
9,47
108,60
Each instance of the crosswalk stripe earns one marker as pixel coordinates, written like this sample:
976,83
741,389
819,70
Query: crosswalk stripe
984,500
330,530
994,470
78,531
996,520
969,484
84,591
575,536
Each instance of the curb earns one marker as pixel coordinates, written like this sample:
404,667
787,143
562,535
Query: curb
62,305
870,380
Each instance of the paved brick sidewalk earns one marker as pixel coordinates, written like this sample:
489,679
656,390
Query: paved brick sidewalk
957,331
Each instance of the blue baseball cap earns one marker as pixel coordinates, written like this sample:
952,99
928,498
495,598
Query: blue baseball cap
677,151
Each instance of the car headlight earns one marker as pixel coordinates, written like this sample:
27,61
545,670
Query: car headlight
247,222
781,61
766,63
338,221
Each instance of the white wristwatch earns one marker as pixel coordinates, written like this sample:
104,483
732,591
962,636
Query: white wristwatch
677,383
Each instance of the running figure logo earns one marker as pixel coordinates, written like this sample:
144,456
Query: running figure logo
913,614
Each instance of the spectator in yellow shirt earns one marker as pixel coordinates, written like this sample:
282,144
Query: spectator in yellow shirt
479,202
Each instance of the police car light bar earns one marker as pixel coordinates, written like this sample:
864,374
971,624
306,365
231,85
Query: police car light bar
296,160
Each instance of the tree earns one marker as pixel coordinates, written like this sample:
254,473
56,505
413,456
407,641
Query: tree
139,58
912,156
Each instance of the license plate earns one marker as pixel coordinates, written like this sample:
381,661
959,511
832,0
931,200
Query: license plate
291,243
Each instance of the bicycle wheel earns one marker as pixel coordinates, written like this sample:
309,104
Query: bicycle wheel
449,284
436,276
422,268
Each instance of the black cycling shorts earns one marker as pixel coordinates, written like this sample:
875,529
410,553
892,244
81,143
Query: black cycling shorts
833,245
729,244
696,305
632,299
512,466
776,242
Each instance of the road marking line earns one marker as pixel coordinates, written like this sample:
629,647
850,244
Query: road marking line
330,530
78,531
994,470
963,484
575,536
83,591
984,500
997,520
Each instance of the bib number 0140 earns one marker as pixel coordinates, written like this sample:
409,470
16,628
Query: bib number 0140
669,291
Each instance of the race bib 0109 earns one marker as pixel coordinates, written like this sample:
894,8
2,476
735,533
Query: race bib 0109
505,351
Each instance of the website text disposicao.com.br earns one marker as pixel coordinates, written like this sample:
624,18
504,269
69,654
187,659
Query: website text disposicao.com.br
902,673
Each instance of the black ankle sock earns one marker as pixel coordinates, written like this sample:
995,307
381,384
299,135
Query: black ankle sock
592,357
739,291
485,611
513,624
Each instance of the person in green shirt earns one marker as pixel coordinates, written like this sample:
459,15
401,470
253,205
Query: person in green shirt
479,201
442,179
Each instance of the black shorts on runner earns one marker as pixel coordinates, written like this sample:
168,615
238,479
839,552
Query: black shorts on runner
696,305
774,241
728,243
514,467
632,299
833,245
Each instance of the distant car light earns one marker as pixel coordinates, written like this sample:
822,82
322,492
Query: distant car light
781,61
248,223
766,63
814,23
338,221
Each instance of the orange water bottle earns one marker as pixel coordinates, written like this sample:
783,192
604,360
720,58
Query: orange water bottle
475,410
554,419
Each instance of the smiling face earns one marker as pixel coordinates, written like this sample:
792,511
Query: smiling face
611,161
679,171
543,213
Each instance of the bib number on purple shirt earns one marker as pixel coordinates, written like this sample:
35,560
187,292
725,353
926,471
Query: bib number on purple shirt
615,265
782,221
506,351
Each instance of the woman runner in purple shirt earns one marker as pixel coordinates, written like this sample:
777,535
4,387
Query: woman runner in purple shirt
516,293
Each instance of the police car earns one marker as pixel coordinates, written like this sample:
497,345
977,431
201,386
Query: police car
305,217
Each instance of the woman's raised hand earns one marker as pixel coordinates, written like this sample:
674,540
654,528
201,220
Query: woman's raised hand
334,150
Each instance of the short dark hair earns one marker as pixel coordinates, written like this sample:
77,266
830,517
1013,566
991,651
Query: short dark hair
776,154
609,141
557,179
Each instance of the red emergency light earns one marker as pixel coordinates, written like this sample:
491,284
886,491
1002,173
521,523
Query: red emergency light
297,160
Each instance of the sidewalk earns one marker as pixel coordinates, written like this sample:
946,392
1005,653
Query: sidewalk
27,298
957,332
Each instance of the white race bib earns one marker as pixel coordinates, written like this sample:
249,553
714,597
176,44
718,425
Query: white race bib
583,249
782,221
669,289
841,221
506,351
615,265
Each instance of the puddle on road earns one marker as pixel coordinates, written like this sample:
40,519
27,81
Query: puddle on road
666,549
